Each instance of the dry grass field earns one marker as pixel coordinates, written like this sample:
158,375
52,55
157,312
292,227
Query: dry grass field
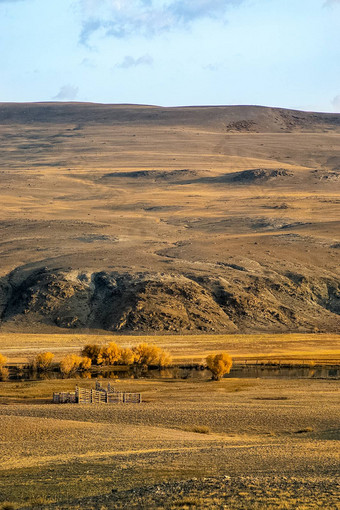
238,443
21,347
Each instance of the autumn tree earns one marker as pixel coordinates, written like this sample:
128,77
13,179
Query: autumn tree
109,354
127,356
92,351
149,354
219,365
43,360
70,363
4,372
85,363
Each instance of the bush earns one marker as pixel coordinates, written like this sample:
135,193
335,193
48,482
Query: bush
109,354
92,351
3,360
70,363
4,373
149,354
219,364
165,359
43,360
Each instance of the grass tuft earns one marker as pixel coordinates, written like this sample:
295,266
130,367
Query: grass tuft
305,430
198,429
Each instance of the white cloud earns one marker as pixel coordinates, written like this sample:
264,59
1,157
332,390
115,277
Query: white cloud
67,92
122,18
129,61
328,3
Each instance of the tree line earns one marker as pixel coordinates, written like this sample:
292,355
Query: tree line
142,355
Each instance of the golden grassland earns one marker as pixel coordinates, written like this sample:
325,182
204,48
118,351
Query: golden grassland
19,347
270,432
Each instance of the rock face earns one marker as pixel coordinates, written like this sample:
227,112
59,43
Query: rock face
167,302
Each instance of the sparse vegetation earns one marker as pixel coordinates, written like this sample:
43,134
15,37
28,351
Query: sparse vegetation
4,373
219,365
199,429
305,430
186,430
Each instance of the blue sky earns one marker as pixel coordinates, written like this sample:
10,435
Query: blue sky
170,52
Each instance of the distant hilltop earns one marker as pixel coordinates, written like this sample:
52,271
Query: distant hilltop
230,118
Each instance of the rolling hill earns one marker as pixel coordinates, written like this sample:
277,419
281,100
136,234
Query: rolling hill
141,218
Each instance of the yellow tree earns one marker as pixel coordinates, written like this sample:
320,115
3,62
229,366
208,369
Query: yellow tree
219,365
4,372
149,354
70,363
127,356
3,360
43,360
93,352
109,354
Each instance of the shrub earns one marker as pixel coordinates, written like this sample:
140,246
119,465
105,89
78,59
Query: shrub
149,354
70,363
92,351
109,354
4,373
3,360
165,359
85,363
219,364
127,356
201,429
43,360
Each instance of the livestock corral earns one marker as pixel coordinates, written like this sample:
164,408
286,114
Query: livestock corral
99,395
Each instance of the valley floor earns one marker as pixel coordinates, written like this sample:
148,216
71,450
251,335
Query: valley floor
238,444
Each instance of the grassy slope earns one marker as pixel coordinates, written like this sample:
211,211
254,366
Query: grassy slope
63,204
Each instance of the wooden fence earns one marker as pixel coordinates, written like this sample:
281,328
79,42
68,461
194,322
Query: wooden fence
97,396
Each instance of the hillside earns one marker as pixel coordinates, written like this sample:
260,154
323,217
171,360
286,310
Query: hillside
141,218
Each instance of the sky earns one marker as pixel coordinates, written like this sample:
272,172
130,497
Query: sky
283,53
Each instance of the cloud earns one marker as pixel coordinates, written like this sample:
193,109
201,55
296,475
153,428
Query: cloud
87,62
122,18
128,62
328,3
67,92
336,103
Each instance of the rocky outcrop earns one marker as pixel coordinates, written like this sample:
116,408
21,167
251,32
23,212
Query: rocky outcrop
167,302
